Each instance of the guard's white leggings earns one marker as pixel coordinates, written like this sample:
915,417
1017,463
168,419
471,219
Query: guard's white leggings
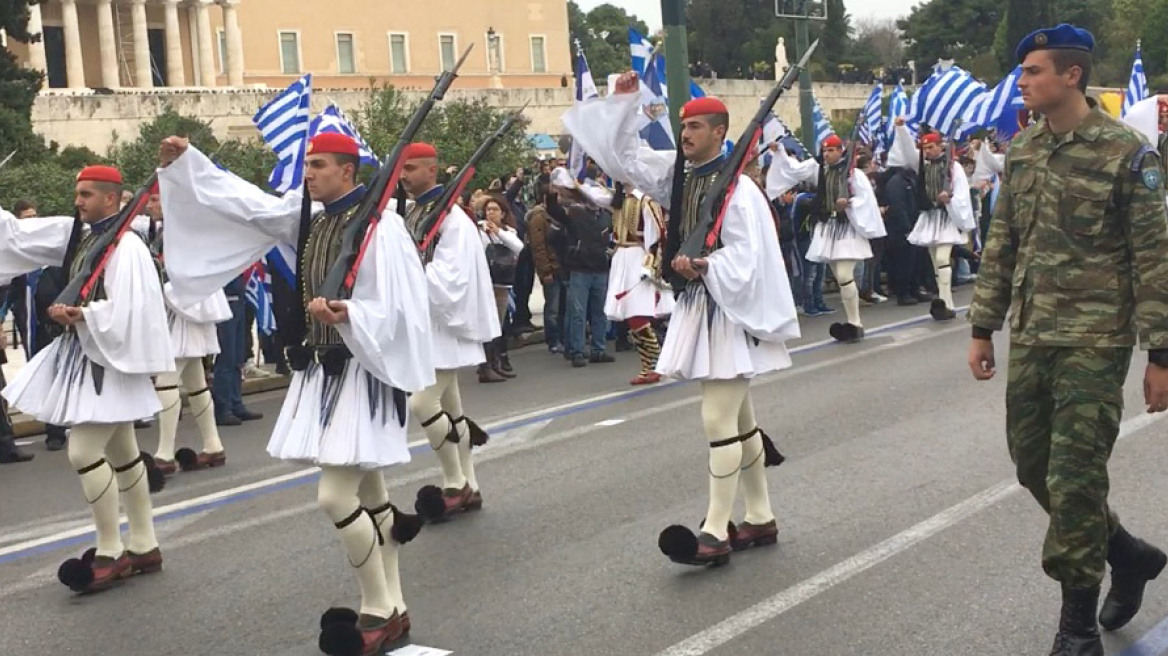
97,451
436,407
188,371
845,275
348,495
941,265
727,413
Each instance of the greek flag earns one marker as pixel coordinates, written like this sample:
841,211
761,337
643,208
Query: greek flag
641,49
333,119
872,121
259,294
897,107
946,97
658,133
998,108
1137,84
283,123
585,90
822,125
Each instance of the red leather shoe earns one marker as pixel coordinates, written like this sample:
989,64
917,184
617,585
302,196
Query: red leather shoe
167,467
107,572
146,563
476,501
651,378
750,535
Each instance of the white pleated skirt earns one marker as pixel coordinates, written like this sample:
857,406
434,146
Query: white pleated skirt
350,420
935,228
452,352
702,343
190,339
57,387
629,293
835,241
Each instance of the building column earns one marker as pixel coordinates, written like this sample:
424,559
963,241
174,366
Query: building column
193,34
36,51
206,44
74,67
143,75
175,76
234,44
108,44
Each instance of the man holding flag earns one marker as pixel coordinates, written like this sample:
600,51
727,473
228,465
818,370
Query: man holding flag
346,407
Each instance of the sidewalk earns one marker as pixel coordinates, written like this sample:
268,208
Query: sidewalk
25,425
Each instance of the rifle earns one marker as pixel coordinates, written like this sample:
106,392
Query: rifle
5,161
713,204
81,285
951,154
854,152
453,191
338,284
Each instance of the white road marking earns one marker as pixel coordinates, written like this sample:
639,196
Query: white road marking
508,444
768,609
609,422
418,650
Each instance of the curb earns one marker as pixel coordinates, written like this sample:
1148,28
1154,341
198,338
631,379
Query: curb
25,426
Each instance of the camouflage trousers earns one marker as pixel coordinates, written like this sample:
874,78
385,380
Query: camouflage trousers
1063,409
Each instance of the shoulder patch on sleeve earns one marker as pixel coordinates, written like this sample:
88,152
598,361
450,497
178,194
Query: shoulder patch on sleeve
1146,165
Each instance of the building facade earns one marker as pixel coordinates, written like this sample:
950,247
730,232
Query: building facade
121,44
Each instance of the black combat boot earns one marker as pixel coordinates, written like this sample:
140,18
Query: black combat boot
1133,563
1078,635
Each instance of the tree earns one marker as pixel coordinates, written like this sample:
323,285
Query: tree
950,29
731,35
877,44
603,33
835,39
18,88
1021,18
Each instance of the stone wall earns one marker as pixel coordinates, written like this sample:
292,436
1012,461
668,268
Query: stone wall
92,120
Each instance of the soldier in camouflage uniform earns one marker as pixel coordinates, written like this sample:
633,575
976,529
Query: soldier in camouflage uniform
1075,251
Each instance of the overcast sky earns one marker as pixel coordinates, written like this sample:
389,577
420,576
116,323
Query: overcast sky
650,10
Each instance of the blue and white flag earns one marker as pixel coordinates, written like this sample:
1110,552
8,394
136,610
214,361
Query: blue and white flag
641,49
897,107
998,108
259,294
659,132
283,123
585,90
945,98
871,121
822,125
1137,84
333,119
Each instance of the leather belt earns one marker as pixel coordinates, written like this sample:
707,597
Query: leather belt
332,358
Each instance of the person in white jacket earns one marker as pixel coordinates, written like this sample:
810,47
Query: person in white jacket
95,377
733,317
345,409
846,215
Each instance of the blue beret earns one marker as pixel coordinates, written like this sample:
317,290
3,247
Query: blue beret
1063,37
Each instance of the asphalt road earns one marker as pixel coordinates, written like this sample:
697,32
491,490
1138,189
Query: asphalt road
901,531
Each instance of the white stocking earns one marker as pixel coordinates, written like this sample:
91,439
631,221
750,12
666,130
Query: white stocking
133,488
87,444
338,498
721,402
941,264
426,405
845,276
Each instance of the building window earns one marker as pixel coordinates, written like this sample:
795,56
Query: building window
345,59
222,41
538,55
399,62
290,53
447,51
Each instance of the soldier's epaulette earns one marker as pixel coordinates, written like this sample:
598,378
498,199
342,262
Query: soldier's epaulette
1137,164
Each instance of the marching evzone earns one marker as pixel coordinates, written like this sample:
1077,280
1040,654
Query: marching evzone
730,322
346,405
634,293
946,207
846,215
95,377
463,317
193,336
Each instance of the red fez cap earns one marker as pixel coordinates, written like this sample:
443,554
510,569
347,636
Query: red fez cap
419,150
100,173
931,138
833,142
332,142
703,106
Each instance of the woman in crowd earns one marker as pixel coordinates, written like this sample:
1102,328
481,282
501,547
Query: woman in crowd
500,238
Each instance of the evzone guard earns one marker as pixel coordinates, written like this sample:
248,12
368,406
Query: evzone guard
846,215
345,409
193,336
95,377
946,206
735,310
635,294
462,318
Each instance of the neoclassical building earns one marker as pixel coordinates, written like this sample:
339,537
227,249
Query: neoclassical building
139,44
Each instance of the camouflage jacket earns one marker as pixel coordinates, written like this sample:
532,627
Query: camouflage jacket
1078,247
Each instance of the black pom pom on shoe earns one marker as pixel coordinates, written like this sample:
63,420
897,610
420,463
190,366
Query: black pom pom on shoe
430,504
678,543
341,639
75,574
338,615
187,459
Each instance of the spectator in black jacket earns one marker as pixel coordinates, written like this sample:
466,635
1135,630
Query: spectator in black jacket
900,257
